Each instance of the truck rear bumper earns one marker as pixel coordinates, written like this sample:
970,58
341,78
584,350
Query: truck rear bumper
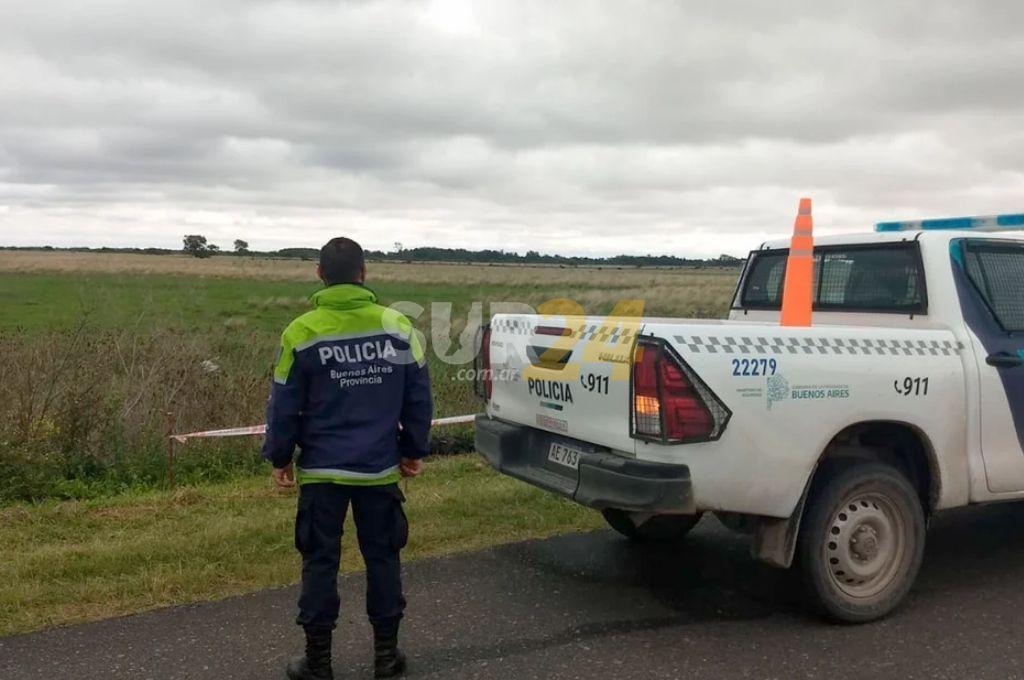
603,480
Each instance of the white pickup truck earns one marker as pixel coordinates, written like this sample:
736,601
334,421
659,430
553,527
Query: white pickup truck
831,444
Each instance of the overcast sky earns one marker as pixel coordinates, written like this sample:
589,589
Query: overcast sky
688,128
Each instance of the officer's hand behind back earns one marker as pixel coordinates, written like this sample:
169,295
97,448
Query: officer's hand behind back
285,477
410,467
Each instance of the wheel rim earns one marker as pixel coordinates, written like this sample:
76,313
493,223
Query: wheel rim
865,545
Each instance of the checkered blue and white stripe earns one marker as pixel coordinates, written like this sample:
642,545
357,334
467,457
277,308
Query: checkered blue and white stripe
609,334
619,333
711,344
513,326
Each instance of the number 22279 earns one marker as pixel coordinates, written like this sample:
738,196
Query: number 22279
754,367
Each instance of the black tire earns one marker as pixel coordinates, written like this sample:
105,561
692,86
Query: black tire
658,528
861,541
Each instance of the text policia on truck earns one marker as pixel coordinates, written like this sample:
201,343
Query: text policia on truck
832,442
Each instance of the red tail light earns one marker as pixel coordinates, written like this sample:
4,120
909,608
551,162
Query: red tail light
670,403
646,395
483,384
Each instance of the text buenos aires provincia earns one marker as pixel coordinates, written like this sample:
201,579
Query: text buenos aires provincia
359,353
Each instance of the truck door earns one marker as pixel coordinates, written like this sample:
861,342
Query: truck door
989,276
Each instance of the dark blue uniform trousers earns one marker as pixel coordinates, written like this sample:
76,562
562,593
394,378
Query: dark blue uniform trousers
382,530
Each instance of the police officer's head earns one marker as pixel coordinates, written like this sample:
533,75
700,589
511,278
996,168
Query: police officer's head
341,261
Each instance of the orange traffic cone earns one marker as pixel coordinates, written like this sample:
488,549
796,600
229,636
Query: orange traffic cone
798,288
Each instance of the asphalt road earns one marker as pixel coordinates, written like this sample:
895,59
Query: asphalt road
595,606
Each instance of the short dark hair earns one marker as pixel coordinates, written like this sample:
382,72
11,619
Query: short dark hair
341,261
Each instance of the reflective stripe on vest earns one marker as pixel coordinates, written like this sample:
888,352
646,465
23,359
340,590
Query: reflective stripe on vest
332,475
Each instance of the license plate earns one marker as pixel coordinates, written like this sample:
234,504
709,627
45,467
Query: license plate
564,455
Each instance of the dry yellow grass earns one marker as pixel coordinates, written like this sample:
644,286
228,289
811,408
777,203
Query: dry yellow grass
117,263
610,277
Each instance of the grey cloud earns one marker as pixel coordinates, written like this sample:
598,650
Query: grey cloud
572,127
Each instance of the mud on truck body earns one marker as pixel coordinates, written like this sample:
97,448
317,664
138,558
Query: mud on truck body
832,443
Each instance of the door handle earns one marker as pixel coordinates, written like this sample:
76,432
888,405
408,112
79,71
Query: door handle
1004,360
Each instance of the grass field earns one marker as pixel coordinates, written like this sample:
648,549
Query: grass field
83,560
99,349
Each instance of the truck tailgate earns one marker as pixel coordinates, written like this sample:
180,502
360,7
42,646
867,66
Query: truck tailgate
568,376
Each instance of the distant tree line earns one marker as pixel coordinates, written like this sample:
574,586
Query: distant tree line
198,246
427,254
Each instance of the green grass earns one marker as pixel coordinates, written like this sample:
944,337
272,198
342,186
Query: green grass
119,351
75,561
41,301
94,360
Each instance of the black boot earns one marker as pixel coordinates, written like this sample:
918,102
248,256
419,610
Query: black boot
316,665
388,660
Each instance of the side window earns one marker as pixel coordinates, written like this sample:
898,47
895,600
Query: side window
886,279
882,278
997,270
762,286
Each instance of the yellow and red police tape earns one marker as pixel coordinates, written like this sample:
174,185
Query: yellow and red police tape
262,429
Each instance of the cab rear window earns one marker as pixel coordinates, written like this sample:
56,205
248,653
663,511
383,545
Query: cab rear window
863,278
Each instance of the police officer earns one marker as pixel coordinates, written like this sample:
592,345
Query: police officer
351,390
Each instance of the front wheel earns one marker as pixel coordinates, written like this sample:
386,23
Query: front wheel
655,529
861,542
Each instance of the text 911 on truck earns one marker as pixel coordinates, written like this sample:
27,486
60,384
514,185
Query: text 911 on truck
831,443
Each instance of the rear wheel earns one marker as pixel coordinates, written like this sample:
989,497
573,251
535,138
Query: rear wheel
861,541
655,528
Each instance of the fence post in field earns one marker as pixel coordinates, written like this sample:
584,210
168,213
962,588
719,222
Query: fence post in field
170,448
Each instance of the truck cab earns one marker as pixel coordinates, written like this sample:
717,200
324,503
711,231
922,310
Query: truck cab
967,281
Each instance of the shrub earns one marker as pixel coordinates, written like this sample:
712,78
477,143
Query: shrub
88,410
86,413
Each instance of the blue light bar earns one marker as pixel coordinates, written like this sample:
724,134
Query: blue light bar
986,223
